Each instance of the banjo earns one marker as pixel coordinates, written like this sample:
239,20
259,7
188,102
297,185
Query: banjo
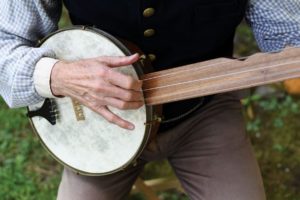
86,143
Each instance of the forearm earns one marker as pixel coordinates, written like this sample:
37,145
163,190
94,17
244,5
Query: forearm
22,24
275,23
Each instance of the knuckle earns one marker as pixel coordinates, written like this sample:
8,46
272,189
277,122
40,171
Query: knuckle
140,96
123,105
99,87
94,105
103,72
129,96
130,82
95,88
101,59
109,119
112,119
140,105
136,105
106,59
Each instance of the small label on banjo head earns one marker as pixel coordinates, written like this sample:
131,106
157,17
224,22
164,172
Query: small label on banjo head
78,110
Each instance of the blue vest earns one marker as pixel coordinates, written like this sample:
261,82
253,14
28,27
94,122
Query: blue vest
177,32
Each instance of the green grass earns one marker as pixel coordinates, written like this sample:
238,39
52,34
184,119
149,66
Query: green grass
276,140
26,172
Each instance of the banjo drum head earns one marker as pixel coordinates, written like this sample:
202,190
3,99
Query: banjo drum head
92,146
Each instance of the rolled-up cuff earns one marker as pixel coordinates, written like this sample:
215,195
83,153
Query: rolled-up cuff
42,75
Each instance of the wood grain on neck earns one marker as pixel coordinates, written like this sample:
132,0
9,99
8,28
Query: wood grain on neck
220,75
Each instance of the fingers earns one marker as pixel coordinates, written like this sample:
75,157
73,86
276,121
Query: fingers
115,119
96,85
124,81
113,101
123,94
123,105
118,61
109,95
119,79
105,112
128,95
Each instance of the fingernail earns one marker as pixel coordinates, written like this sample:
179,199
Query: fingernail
133,55
131,127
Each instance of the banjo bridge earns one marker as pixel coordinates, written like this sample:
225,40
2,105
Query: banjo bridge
78,110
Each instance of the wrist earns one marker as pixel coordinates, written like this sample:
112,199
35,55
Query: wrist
56,80
41,76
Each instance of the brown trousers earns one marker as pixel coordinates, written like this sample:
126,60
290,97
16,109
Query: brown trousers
209,152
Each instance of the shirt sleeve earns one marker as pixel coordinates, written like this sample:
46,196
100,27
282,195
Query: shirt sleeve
275,23
42,76
22,24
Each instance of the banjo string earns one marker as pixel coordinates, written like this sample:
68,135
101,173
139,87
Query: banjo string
230,88
220,76
226,75
187,70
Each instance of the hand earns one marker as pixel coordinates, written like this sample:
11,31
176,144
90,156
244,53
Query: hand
96,85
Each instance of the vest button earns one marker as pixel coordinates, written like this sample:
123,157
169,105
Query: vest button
152,57
149,32
148,12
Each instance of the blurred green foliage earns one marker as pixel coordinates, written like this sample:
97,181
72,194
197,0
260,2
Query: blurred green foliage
27,172
275,134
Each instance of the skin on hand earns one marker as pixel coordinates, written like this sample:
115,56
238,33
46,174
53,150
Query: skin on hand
95,84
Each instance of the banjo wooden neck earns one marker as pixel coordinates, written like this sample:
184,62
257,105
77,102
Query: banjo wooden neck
220,75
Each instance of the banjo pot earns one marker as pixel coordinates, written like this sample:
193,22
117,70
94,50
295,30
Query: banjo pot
77,137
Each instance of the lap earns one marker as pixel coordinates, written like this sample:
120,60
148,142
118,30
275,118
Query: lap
214,159
210,153
110,187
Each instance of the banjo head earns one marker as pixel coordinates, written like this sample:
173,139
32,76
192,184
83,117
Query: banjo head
91,146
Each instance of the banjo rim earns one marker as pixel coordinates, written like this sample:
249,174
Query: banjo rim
150,110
